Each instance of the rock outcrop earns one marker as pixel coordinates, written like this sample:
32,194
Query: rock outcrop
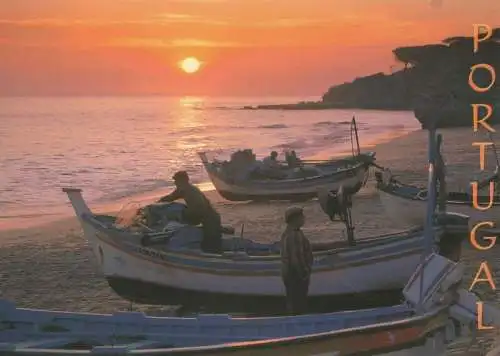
434,83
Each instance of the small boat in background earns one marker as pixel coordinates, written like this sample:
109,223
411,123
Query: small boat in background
175,271
351,173
407,203
423,325
239,178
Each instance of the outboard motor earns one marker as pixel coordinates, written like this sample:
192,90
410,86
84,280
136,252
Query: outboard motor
339,204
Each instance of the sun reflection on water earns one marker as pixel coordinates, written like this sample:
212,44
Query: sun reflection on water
189,117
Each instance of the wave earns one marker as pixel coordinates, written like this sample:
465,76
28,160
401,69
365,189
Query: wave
294,145
26,215
273,126
331,123
146,186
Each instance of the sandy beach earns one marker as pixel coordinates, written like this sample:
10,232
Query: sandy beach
51,266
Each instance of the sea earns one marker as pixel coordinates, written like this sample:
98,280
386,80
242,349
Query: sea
117,149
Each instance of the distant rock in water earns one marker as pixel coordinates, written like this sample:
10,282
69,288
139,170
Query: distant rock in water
303,105
315,105
273,126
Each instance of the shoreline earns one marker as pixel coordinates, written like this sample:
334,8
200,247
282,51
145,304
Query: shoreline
37,219
321,105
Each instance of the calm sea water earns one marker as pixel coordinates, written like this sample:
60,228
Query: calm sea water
116,148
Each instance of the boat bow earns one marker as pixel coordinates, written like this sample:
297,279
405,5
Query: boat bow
83,212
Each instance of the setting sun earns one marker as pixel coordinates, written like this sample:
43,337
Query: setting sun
190,65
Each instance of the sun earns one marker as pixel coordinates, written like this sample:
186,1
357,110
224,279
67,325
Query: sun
190,65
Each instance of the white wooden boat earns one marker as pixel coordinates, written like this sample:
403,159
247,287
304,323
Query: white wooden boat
351,173
249,273
423,325
234,181
407,203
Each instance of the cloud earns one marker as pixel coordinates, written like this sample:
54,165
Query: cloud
166,19
437,4
185,18
161,19
291,22
180,42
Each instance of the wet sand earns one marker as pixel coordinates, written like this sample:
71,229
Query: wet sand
51,266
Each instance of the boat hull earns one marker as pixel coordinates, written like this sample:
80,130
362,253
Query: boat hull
379,264
398,333
144,275
233,192
351,179
409,211
141,292
387,272
391,341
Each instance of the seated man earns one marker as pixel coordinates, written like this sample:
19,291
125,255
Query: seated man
271,167
271,161
199,210
292,159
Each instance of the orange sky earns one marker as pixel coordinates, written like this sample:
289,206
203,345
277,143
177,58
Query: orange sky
250,47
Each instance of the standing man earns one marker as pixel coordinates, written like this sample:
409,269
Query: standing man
199,210
296,261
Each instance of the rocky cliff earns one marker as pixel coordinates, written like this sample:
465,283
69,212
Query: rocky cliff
434,83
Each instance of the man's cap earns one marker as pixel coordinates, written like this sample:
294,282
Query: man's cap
292,212
180,176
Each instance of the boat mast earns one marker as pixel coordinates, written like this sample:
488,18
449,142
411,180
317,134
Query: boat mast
431,207
354,128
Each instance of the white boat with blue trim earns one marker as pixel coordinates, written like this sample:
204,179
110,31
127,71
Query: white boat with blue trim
241,179
407,203
247,272
424,325
351,173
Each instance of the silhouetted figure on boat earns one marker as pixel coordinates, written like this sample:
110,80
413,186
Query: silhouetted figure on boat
296,261
199,210
440,167
271,168
271,161
292,159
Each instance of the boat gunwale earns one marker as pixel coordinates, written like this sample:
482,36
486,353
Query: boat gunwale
375,241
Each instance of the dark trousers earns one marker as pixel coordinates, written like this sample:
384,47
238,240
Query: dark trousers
296,288
212,234
211,227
